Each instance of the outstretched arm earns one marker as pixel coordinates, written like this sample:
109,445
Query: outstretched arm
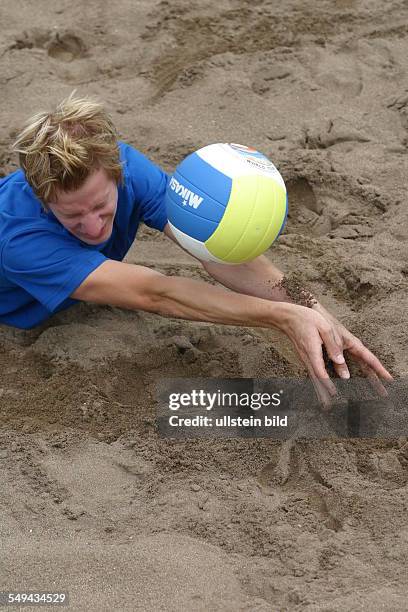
260,278
140,288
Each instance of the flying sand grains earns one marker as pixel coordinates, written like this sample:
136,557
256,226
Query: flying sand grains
298,294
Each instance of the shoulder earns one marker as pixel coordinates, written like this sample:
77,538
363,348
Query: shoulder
137,165
129,156
21,212
17,197
15,183
14,177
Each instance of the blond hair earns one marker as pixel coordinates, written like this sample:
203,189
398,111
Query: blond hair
60,149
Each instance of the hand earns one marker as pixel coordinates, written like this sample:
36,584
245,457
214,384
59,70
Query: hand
310,330
366,361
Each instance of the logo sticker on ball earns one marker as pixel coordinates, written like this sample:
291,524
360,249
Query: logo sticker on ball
243,149
254,158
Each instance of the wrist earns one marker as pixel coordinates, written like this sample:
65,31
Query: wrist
282,314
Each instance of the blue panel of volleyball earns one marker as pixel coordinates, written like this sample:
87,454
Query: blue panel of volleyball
212,186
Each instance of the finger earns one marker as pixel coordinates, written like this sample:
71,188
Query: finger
335,352
371,375
342,370
374,380
319,372
324,387
366,357
323,395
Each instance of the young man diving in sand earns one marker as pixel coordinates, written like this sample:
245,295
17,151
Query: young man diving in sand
70,215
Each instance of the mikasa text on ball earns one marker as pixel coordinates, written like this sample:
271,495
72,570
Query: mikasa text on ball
226,203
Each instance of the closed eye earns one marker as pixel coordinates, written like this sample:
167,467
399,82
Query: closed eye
98,207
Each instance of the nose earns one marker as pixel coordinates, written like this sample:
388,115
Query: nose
92,225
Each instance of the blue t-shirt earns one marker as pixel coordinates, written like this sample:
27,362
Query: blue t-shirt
41,263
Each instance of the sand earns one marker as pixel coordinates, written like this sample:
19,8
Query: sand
93,500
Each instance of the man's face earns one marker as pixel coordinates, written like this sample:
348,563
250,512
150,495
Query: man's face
88,212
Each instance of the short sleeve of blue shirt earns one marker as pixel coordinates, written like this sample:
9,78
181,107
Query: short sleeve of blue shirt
148,184
48,266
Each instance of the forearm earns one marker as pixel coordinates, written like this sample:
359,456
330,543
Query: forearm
260,278
140,288
194,300
257,278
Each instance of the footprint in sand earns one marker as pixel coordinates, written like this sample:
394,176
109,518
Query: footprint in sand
64,45
306,209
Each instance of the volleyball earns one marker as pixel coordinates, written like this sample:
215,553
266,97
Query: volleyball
226,203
